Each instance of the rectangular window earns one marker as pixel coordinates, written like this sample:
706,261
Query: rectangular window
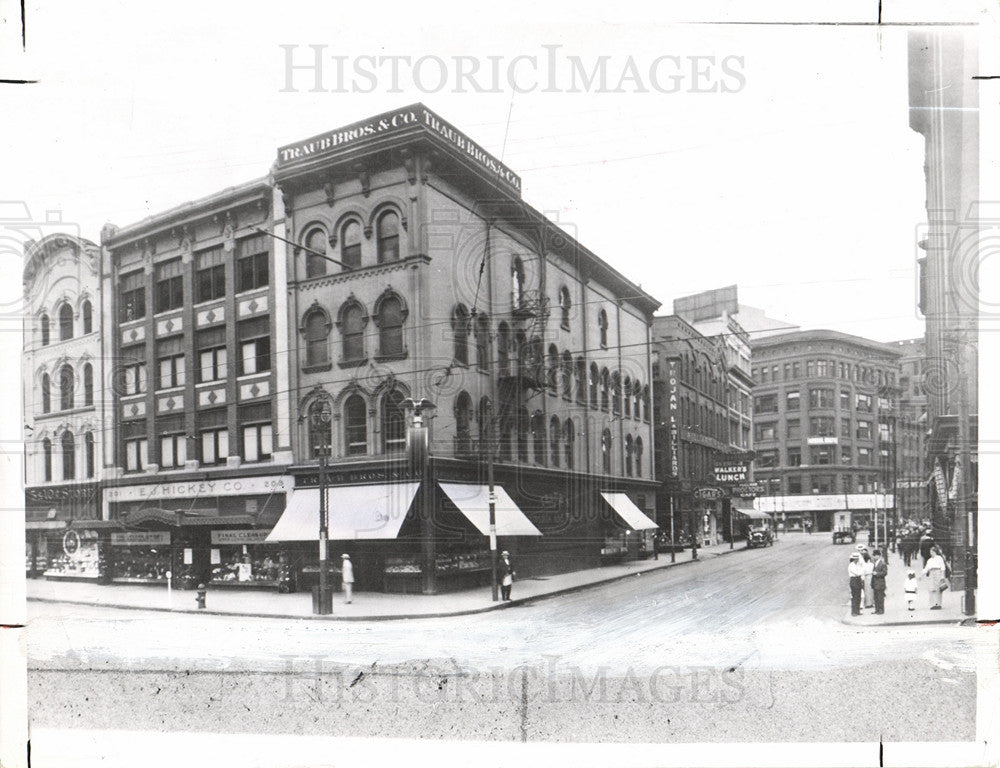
845,399
257,442
822,455
171,371
824,368
173,451
795,457
169,286
774,373
210,279
821,398
822,484
864,430
864,456
134,379
214,446
255,355
213,364
766,459
884,434
793,428
788,371
845,454
136,455
251,263
845,426
796,370
767,431
131,297
810,369
766,404
821,426
793,401
794,484
864,403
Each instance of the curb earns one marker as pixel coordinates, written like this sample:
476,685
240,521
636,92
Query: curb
924,622
389,617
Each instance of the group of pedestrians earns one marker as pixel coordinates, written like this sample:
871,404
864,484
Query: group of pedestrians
867,572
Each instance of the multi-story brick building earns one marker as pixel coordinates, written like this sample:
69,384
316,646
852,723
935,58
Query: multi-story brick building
62,401
825,410
911,474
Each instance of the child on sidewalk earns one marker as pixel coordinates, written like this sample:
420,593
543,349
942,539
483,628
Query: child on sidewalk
910,588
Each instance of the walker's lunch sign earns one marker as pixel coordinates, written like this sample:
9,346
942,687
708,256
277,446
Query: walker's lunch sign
196,489
414,116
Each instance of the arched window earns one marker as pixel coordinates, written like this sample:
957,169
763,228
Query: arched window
45,330
46,393
593,385
616,393
555,441
628,455
350,244
88,384
552,375
483,416
602,325
627,393
388,237
569,434
390,326
88,317
538,435
68,456
564,306
463,424
352,329
47,458
316,328
581,380
605,388
316,248
638,457
567,375
482,342
606,451
523,425
645,403
503,349
393,422
355,426
88,445
65,322
517,282
636,399
320,428
65,388
460,326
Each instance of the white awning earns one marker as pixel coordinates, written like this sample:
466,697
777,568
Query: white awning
355,512
474,502
749,512
633,516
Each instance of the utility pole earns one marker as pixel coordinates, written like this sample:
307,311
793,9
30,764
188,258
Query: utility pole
321,422
964,466
490,426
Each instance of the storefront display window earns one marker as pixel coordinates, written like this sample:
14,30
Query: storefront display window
79,558
140,557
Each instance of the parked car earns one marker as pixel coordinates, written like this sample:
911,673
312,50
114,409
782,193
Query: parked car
682,542
844,535
759,537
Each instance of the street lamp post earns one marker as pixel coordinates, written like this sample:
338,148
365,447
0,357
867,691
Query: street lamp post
320,420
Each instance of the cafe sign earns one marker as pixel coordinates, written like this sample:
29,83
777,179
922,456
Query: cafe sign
732,472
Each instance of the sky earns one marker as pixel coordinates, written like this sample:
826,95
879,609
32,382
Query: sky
791,172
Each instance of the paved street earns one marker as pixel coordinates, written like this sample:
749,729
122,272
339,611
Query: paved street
747,646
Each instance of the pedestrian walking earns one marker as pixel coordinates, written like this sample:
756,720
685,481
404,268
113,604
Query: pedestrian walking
507,572
911,539
910,590
936,581
926,544
347,571
879,571
855,579
868,568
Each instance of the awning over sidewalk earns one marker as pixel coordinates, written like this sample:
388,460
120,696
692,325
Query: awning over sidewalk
633,516
474,502
752,513
354,512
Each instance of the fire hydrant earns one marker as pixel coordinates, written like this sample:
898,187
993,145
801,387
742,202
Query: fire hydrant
200,596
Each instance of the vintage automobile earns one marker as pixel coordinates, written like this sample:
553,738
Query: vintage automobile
844,535
759,537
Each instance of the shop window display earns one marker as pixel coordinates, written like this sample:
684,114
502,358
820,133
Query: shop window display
79,559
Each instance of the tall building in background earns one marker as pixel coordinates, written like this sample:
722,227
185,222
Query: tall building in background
944,101
62,378
912,486
825,413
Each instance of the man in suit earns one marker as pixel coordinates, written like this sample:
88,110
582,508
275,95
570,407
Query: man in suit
855,576
879,572
506,575
347,569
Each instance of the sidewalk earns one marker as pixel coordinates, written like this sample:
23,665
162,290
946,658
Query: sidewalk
896,613
366,605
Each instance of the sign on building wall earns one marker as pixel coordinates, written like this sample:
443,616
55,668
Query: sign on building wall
732,472
673,436
140,539
244,536
201,488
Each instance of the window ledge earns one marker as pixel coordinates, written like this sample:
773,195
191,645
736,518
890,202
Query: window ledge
387,358
317,367
351,363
